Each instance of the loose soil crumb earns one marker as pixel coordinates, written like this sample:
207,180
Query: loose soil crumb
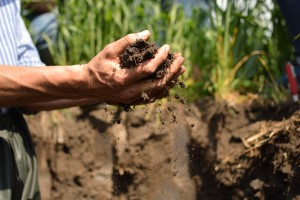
181,84
145,96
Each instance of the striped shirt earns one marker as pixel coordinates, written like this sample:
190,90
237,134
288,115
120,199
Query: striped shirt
16,46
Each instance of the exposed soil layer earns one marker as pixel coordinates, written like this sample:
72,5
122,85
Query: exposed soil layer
170,150
141,51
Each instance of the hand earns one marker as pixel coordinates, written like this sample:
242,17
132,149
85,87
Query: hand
115,85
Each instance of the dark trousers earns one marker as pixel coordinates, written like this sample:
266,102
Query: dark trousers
18,164
291,12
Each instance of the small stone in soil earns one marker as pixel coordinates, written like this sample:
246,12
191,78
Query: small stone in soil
145,96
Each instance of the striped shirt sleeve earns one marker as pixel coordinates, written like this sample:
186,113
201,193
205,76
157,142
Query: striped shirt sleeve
27,52
16,46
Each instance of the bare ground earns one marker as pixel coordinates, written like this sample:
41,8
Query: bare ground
170,150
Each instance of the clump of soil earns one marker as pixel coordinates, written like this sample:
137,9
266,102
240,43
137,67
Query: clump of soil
141,51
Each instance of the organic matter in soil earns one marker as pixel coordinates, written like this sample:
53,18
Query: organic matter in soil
141,51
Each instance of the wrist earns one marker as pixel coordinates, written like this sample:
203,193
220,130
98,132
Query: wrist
66,81
79,83
85,85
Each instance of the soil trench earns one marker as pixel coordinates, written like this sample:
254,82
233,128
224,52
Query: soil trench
169,150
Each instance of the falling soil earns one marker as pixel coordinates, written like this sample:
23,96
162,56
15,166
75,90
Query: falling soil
169,150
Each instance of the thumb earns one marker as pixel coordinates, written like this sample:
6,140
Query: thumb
120,45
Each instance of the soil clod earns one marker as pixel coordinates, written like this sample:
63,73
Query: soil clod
141,51
138,53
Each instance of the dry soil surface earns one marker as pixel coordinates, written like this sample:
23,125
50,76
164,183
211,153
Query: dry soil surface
170,150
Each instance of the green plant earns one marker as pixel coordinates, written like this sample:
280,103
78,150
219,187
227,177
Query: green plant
235,55
85,27
226,50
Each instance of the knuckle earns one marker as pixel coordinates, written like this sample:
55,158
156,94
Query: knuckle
116,83
162,54
149,69
129,38
109,49
162,84
119,82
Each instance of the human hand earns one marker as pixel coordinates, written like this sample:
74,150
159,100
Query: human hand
115,85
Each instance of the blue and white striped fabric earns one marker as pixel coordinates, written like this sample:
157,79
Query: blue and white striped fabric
16,46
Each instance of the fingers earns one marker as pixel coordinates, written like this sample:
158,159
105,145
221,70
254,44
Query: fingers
149,67
120,45
175,70
153,88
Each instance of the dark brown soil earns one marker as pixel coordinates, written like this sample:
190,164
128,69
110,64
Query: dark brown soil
142,51
169,150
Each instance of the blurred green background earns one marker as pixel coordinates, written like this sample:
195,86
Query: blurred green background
232,48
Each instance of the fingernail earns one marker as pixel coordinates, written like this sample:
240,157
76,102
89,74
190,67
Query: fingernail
145,34
181,60
166,48
182,70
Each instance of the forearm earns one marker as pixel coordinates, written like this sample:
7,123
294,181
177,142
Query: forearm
59,104
28,85
102,78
